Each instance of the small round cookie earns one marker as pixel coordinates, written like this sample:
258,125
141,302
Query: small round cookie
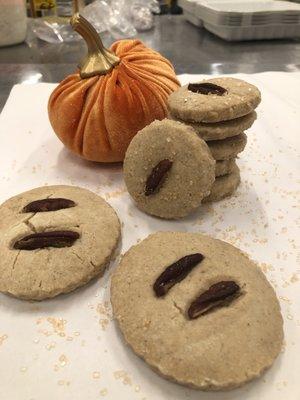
227,148
225,167
168,169
224,186
222,130
237,98
54,239
216,327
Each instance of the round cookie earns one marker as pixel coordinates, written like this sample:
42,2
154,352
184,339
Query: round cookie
224,186
184,185
222,130
221,349
225,167
32,267
239,99
227,148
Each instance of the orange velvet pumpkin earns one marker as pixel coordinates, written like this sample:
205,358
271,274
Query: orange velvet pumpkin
97,111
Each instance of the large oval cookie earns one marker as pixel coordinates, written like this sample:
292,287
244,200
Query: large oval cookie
54,239
237,98
168,157
234,338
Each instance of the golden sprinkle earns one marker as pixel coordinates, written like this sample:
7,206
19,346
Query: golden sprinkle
96,375
123,376
63,360
50,346
2,338
294,278
137,388
103,323
23,369
103,392
62,383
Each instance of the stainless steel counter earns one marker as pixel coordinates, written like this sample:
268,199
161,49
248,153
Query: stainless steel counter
190,49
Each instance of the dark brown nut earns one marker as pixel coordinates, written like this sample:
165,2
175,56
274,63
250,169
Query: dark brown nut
218,295
207,88
47,239
175,273
157,176
50,204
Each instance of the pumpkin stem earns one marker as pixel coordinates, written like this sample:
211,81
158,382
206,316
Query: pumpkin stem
99,60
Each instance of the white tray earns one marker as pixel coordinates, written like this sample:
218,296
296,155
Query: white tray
187,5
238,33
247,13
69,348
191,17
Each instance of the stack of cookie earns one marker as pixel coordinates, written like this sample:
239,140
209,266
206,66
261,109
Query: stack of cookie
219,110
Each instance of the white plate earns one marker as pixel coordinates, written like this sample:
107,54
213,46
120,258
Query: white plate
69,348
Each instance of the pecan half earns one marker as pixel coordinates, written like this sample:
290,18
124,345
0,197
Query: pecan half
207,88
51,204
219,294
175,273
41,240
157,176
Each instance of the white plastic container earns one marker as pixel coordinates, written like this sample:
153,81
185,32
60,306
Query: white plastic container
246,20
239,33
13,22
191,17
247,13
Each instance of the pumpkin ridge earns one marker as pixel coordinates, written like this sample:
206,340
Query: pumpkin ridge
150,87
100,104
159,83
150,74
85,113
156,71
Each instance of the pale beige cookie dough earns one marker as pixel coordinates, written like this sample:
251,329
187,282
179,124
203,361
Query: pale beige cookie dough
219,350
222,130
240,99
224,186
227,148
224,167
46,272
187,182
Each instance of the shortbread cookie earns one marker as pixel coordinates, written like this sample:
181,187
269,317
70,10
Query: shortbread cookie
212,321
223,129
214,100
168,169
227,148
54,239
224,186
225,167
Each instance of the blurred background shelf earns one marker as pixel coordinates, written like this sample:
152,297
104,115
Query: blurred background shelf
190,49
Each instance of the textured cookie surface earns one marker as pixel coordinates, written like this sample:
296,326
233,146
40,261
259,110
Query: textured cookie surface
224,129
46,272
224,186
187,182
240,99
224,167
221,349
227,148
